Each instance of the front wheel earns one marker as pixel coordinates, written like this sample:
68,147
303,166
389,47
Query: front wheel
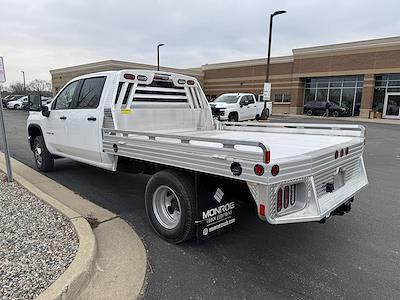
43,158
233,117
170,205
335,113
16,106
309,112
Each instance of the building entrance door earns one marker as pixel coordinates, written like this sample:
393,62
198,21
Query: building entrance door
391,107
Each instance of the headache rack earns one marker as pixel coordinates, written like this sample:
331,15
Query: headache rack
209,155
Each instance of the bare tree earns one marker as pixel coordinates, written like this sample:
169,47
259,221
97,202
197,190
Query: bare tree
16,87
40,86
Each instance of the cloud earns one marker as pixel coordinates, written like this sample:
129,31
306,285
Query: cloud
36,36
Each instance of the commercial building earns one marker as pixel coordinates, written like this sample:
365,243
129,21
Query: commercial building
363,75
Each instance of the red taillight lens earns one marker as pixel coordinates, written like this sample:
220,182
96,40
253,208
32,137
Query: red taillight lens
129,76
279,200
190,82
347,150
259,170
262,210
267,157
286,197
336,154
275,170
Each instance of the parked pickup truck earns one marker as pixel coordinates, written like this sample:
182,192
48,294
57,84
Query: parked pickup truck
238,107
161,124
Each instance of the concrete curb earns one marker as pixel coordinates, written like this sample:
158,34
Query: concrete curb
79,272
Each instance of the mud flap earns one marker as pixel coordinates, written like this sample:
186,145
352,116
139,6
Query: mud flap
217,201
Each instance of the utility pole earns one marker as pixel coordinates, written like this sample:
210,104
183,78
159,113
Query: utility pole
279,12
158,56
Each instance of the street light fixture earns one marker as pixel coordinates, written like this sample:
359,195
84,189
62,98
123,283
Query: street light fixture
279,12
23,76
158,56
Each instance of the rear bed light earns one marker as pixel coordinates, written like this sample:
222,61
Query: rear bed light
142,78
129,76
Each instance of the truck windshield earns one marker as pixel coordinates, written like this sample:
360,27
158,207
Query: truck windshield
227,99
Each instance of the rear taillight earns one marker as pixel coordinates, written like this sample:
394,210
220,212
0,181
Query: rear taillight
262,210
279,200
286,197
190,82
259,170
275,170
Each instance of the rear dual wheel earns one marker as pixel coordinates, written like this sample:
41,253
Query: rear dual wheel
170,205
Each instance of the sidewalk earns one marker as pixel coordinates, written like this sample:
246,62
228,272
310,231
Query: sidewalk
111,261
349,119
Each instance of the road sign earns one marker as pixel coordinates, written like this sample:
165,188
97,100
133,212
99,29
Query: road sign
2,128
2,72
267,91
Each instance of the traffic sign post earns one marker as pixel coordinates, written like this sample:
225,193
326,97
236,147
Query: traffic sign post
2,127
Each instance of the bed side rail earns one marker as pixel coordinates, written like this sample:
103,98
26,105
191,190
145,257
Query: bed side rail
300,128
185,140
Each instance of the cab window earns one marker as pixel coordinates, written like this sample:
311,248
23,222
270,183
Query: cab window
65,98
90,93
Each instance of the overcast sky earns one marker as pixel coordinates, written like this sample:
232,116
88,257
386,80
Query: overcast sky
38,35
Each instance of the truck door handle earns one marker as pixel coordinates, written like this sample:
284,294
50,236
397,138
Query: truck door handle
91,119
63,118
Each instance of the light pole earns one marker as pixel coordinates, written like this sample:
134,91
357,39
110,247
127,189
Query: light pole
158,56
279,12
23,76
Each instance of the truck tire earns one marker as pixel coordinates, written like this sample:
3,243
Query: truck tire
170,205
43,158
309,112
335,114
233,117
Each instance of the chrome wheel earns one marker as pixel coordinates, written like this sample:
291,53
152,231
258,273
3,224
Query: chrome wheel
166,207
37,152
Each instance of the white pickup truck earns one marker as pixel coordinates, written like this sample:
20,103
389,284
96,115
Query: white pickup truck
161,124
235,107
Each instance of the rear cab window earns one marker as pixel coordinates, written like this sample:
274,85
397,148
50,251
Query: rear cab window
90,92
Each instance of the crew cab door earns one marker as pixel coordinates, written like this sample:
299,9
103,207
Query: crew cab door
56,125
85,120
252,107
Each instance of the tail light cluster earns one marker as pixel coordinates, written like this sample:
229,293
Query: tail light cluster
341,152
286,197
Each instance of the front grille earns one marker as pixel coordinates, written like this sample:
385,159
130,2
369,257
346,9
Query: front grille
217,111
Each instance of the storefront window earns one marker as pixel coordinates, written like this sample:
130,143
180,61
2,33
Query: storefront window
343,90
384,83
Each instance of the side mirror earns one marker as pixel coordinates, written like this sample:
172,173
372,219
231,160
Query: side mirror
45,111
34,102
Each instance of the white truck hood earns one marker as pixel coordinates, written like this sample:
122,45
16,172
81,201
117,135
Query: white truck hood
222,105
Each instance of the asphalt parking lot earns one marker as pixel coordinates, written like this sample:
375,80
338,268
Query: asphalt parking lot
356,256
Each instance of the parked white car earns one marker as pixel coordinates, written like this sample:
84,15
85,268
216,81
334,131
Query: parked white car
235,107
17,104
